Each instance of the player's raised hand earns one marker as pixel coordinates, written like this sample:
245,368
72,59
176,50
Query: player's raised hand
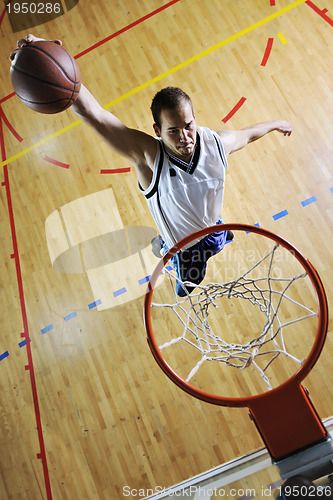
24,41
32,38
284,127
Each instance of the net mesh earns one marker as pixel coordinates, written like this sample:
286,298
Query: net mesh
265,291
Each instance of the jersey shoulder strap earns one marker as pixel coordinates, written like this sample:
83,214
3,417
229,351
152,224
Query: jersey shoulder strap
153,187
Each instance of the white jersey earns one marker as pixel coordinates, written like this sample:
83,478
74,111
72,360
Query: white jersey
184,197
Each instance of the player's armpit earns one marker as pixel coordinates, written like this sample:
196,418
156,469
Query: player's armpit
233,140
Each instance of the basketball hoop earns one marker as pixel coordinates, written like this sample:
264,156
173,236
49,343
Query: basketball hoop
285,294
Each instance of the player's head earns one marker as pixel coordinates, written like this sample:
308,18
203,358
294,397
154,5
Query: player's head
168,98
174,119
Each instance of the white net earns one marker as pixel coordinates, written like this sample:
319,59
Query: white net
277,307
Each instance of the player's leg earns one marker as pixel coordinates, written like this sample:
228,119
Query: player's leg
192,263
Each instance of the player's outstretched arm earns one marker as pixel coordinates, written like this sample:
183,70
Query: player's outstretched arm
233,140
133,144
138,147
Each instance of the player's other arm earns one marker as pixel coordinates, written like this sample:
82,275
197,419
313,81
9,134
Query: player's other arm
233,140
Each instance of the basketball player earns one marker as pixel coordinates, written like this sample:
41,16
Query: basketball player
181,171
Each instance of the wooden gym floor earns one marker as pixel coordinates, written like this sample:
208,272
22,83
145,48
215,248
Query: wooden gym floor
84,409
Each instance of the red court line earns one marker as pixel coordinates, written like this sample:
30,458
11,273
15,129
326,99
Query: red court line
116,170
9,96
2,143
322,13
4,11
25,334
128,27
234,110
56,162
267,51
10,127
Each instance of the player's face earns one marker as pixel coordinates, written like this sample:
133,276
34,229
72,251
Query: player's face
178,131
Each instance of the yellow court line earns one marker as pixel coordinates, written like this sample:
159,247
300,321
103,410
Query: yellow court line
282,38
160,77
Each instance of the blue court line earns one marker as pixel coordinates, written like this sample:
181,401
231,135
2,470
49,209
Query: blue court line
308,201
4,355
47,329
280,215
144,280
331,189
94,304
256,224
70,316
119,292
23,343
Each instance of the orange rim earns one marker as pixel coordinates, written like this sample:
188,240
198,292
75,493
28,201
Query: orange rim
321,328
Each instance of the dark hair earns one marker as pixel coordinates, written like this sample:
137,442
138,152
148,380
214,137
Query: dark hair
168,98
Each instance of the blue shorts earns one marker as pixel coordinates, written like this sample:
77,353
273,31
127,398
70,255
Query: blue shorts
191,264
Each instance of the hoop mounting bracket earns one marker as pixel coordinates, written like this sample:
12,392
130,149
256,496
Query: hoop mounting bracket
291,424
